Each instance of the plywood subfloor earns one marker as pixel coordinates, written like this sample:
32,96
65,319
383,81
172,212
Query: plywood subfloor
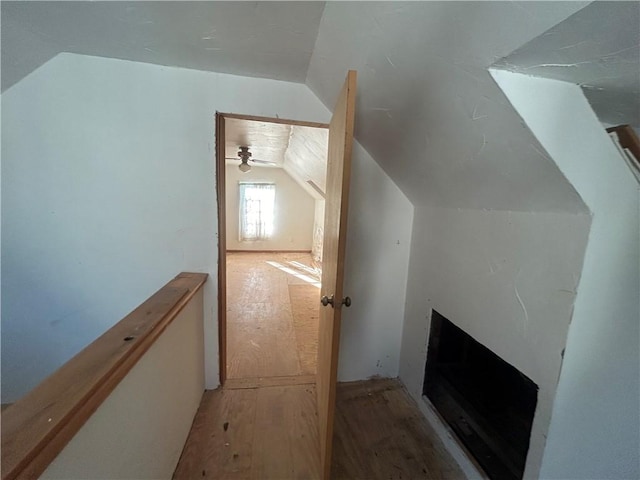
253,433
272,315
270,433
380,433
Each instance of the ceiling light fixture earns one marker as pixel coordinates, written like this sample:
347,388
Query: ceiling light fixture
244,154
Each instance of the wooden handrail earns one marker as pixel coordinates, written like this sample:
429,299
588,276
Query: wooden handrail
37,427
627,138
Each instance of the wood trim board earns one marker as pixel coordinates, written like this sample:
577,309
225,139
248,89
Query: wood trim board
268,251
275,120
37,427
222,246
259,382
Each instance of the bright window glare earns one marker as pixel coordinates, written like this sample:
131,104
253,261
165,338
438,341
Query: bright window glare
257,203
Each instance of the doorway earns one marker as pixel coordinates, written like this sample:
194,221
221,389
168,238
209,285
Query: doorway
271,181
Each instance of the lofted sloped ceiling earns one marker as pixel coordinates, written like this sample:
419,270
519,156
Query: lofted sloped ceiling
428,110
257,39
266,141
300,150
597,48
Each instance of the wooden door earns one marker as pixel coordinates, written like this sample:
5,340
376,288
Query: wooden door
335,237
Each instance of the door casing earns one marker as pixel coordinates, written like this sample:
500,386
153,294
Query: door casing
222,222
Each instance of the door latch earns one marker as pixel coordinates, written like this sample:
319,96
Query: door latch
346,301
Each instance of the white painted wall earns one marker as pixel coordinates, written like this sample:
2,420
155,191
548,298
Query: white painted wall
318,230
594,429
378,244
108,191
294,210
506,278
140,429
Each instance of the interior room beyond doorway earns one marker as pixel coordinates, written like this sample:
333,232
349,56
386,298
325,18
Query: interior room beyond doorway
273,194
272,314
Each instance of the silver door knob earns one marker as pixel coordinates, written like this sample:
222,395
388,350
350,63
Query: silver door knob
326,300
346,301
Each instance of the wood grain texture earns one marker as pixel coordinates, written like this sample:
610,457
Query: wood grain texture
38,426
305,311
275,120
628,139
334,246
285,437
271,433
257,382
222,246
220,443
264,338
258,433
381,434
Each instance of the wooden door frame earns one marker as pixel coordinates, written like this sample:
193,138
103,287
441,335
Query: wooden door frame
222,221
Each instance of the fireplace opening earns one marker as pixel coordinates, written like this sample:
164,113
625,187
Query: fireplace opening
487,402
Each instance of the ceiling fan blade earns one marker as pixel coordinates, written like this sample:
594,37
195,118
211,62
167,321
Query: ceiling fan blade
266,162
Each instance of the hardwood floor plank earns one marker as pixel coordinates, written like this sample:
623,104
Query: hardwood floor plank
272,433
261,341
285,435
272,315
305,304
220,444
257,382
381,434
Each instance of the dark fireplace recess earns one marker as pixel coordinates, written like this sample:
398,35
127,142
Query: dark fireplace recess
488,403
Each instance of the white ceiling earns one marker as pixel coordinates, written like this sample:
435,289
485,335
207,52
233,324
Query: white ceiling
259,39
428,110
300,150
597,48
266,141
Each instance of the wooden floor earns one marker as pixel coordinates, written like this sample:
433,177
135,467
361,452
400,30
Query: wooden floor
272,315
381,434
253,433
263,423
270,432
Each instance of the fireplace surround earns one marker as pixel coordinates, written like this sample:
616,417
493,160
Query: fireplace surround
487,402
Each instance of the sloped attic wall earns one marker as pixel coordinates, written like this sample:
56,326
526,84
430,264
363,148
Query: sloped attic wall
108,191
594,429
428,110
499,233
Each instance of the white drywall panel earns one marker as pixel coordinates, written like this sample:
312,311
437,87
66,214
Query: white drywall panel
506,278
594,429
140,429
378,243
306,157
294,210
263,39
108,191
318,231
428,110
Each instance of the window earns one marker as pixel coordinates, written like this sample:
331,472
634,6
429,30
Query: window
256,211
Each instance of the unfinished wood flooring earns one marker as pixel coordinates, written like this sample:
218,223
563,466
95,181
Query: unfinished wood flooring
270,432
253,433
379,433
272,315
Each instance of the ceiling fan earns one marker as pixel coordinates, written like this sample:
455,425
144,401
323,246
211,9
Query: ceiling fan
245,155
